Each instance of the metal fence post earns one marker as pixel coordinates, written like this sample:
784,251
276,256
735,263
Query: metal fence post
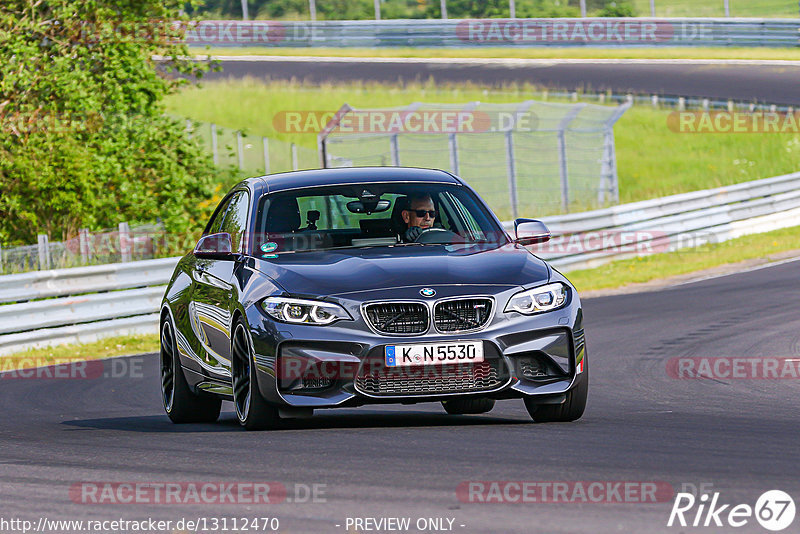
1,258
453,153
214,143
312,10
124,242
606,168
512,9
726,5
44,252
265,143
245,14
395,150
377,9
240,149
652,8
583,8
512,173
444,9
83,245
189,128
609,168
295,163
562,170
562,154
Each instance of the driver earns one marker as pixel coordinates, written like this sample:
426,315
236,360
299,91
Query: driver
419,216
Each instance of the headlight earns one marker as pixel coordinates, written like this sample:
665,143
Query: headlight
303,311
539,299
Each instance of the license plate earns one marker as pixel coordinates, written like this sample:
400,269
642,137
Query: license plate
434,353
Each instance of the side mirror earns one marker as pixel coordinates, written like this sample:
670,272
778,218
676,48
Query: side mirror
215,246
530,232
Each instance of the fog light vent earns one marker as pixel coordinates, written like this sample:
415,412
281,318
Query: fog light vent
531,367
316,383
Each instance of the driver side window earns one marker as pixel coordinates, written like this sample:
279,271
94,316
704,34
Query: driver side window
232,218
216,222
235,220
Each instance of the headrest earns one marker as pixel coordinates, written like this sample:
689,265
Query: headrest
399,226
283,216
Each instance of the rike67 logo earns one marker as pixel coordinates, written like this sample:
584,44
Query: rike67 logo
774,510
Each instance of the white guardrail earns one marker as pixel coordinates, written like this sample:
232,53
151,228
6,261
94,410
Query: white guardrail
603,32
87,303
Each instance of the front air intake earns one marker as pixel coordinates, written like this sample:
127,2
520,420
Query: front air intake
461,315
397,317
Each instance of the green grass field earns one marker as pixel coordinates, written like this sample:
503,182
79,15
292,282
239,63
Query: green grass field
715,8
657,266
652,160
545,52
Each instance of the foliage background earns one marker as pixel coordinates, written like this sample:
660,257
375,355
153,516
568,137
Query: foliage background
396,9
84,140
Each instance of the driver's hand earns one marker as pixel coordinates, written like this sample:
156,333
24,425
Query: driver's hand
412,234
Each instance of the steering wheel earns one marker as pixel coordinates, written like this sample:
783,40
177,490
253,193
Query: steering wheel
436,236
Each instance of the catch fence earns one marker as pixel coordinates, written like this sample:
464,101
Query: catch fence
527,157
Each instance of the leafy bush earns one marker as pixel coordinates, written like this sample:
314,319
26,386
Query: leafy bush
617,9
84,141
390,9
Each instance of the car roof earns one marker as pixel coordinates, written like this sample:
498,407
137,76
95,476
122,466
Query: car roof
353,175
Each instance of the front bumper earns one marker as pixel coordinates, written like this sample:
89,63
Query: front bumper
341,365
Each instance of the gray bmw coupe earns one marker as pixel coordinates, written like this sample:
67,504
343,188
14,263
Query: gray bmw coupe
344,287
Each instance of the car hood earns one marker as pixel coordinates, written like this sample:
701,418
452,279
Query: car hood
339,272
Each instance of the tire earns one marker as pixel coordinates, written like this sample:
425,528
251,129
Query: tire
181,404
468,406
253,412
570,410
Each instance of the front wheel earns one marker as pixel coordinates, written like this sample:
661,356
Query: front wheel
570,410
253,412
180,403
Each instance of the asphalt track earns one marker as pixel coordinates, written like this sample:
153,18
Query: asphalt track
765,82
739,435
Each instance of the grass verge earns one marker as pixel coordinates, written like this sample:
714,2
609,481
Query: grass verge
652,160
642,269
548,52
60,354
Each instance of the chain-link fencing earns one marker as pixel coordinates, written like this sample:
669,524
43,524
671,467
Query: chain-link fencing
87,248
523,158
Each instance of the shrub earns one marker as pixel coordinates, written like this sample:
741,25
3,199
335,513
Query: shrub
84,141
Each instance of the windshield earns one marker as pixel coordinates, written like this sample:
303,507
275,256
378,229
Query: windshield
369,215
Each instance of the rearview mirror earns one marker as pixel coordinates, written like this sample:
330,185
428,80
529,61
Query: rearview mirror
365,206
215,246
530,232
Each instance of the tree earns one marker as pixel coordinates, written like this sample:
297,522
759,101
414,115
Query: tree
84,140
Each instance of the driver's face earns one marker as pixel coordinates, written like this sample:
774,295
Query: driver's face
412,219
